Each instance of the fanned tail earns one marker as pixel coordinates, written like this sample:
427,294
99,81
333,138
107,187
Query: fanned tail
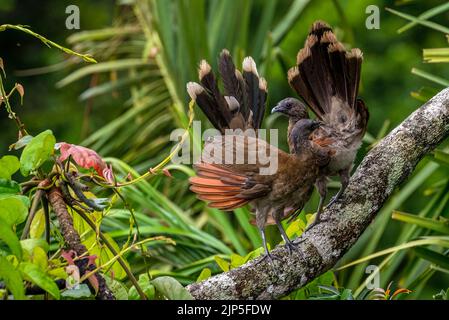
243,104
327,76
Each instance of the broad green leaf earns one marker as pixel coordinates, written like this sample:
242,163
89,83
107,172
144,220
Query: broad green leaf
25,200
33,273
37,227
313,288
21,143
171,288
58,273
13,211
236,260
147,287
118,289
81,292
9,186
222,263
36,152
10,238
29,245
40,258
8,166
12,278
205,274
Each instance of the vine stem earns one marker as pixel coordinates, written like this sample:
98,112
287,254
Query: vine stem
120,260
73,240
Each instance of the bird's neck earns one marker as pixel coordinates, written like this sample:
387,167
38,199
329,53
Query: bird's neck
291,123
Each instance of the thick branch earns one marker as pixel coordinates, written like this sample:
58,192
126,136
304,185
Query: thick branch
384,167
73,241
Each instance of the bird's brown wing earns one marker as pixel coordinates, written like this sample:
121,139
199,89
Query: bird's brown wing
228,186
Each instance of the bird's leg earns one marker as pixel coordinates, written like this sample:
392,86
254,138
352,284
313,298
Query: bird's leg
321,186
267,255
290,246
261,219
344,177
288,243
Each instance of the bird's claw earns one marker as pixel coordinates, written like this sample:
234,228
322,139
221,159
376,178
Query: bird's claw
270,258
313,224
290,247
294,246
332,201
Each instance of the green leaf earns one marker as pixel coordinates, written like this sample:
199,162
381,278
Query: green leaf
222,263
426,75
441,157
118,289
33,273
80,292
237,260
37,227
432,256
37,151
426,15
9,186
313,288
431,224
12,278
8,166
205,274
21,143
29,245
171,288
147,287
10,238
426,23
13,211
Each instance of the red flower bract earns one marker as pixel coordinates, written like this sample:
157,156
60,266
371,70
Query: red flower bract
83,157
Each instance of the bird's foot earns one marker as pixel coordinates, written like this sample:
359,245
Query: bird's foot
290,247
333,200
270,258
313,224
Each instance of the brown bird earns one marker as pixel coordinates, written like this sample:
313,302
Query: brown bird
228,186
327,78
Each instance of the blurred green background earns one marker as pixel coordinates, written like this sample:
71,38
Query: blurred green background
128,109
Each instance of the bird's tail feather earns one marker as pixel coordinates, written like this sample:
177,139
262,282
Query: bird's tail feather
325,71
245,93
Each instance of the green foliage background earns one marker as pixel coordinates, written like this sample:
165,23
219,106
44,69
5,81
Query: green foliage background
127,110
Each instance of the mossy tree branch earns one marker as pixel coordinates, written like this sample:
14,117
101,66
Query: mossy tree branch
389,163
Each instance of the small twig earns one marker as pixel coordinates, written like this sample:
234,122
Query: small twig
48,43
47,219
37,197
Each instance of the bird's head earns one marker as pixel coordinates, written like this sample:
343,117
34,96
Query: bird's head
291,107
301,132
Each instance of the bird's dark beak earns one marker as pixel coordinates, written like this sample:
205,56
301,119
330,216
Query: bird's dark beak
315,124
278,108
